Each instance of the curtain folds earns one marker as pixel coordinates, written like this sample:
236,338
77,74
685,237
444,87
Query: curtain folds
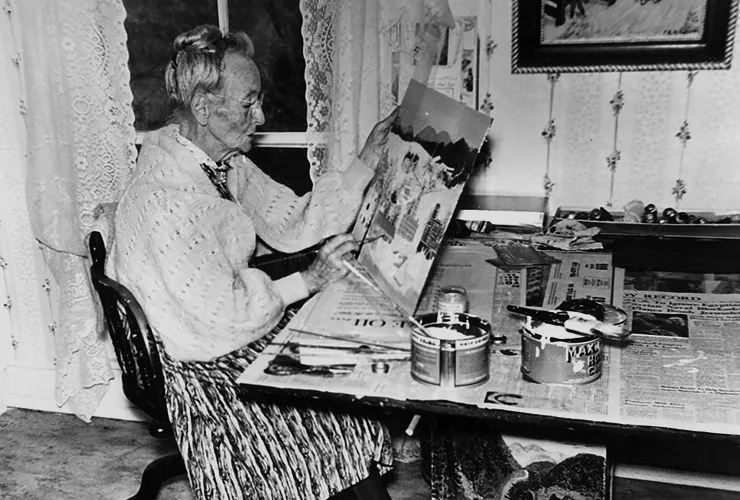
360,56
81,150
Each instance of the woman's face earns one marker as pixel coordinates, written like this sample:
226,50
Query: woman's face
234,121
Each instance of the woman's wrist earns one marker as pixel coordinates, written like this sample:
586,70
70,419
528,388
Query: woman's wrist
292,288
310,282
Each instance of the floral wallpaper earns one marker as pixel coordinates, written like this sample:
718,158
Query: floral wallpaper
591,140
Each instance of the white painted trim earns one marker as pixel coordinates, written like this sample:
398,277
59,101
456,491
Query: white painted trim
3,389
267,139
684,478
223,15
33,389
280,140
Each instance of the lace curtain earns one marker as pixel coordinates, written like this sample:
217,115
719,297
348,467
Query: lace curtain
80,135
360,56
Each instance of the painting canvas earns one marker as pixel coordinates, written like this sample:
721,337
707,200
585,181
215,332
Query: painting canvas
622,35
614,21
420,176
476,460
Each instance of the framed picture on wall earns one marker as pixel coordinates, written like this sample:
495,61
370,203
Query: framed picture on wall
572,36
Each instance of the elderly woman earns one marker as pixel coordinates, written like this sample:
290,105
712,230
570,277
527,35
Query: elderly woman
185,231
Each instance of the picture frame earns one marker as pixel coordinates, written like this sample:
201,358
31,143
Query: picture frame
579,36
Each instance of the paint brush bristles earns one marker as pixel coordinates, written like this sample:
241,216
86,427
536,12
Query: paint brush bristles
586,326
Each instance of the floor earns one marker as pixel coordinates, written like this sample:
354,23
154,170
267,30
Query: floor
57,456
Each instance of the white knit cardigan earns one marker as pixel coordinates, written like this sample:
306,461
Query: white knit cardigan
184,251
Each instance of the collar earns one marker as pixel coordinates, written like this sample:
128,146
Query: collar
219,169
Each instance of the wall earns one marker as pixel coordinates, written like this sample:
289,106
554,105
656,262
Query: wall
652,156
28,292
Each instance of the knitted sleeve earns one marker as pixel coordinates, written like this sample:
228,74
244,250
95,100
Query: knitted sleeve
289,223
185,255
203,261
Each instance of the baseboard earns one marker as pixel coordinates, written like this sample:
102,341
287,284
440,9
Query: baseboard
33,388
3,388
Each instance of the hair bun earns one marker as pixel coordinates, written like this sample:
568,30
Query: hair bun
198,38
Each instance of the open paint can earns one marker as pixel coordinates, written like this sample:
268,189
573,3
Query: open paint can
455,353
553,355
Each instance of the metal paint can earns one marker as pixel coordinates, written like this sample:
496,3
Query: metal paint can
552,355
456,352
452,299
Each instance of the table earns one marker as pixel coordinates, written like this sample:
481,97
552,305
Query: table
608,410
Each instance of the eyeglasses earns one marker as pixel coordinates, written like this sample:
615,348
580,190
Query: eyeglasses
248,105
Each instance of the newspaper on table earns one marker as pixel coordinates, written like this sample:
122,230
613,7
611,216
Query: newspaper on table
579,276
680,369
682,365
352,312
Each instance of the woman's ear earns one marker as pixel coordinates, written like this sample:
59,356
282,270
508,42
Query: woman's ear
200,108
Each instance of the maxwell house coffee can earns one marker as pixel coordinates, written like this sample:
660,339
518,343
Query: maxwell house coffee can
553,355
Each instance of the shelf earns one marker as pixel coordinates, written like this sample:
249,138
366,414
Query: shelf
619,229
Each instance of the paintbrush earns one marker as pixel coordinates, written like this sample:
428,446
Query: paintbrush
574,322
359,342
303,257
321,350
408,317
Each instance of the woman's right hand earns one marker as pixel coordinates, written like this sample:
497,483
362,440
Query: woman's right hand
328,266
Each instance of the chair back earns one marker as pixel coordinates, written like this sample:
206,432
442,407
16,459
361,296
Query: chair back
132,338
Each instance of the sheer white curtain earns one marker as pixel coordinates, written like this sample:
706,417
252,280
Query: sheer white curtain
80,136
360,55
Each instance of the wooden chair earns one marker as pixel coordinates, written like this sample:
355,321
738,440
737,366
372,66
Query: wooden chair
141,370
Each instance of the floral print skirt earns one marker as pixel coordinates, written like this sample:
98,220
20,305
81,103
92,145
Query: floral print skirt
236,448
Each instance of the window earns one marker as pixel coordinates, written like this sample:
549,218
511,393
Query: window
275,26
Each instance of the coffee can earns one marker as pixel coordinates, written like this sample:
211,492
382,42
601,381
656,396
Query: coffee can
552,355
455,353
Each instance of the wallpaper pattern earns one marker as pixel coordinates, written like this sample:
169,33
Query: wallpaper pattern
604,139
26,317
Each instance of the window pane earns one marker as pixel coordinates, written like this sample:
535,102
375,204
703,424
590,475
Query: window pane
287,166
275,27
152,26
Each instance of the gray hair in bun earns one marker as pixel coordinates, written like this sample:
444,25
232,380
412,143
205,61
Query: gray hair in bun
198,62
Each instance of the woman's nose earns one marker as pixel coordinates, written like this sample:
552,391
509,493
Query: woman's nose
258,114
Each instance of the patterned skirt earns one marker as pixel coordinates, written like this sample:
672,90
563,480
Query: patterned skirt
235,448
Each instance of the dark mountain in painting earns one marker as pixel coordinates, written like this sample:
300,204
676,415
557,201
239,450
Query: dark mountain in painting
428,134
459,155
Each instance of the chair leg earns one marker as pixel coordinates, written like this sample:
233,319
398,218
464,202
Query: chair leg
370,488
156,473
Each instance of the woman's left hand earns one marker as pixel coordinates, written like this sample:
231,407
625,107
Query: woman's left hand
378,138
